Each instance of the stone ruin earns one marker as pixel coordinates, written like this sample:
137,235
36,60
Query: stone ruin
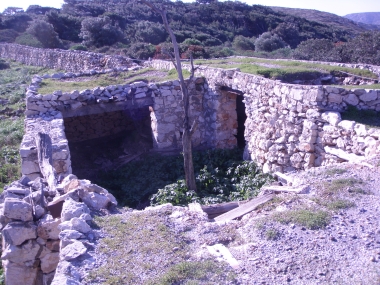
283,127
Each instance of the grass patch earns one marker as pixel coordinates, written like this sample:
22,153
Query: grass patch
193,272
340,184
335,171
311,219
372,86
48,86
370,118
141,246
340,204
283,69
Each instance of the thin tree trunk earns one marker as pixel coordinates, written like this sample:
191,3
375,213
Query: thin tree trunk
187,131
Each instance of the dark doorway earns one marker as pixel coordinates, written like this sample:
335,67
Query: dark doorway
107,141
241,117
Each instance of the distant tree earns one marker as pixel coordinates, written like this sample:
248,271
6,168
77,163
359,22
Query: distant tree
45,33
8,35
17,22
28,40
141,51
269,42
38,10
68,27
149,32
317,49
243,43
99,32
12,11
364,48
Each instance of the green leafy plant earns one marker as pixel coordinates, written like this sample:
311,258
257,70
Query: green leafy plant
311,219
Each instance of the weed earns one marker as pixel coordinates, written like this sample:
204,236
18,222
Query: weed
272,234
340,205
311,219
358,190
334,171
193,272
339,184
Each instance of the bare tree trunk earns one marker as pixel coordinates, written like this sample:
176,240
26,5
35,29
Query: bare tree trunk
187,129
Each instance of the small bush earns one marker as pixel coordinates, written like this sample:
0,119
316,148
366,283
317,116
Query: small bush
4,64
268,42
339,184
335,171
272,234
28,40
78,47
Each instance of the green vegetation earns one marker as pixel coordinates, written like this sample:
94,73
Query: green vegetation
48,86
150,244
221,176
335,171
366,117
272,234
337,185
13,81
283,70
311,219
207,29
340,204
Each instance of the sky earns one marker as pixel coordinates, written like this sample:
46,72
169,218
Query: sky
339,7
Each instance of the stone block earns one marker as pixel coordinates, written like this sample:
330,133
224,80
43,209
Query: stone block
335,98
73,251
28,251
351,99
48,228
333,118
16,233
17,210
16,274
369,95
347,125
73,209
49,262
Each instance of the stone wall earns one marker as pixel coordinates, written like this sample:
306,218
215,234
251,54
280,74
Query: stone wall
68,60
291,127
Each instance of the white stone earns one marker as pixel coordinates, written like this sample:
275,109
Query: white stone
95,201
29,167
73,209
333,118
28,251
16,233
73,250
19,274
48,228
335,98
360,130
347,125
76,224
18,210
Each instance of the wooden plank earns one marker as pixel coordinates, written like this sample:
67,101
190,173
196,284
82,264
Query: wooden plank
288,189
217,209
245,208
45,160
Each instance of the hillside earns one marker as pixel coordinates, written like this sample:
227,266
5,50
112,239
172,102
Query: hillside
371,18
325,18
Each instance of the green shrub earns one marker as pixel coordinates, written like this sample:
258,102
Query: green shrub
4,64
28,40
268,42
78,47
8,35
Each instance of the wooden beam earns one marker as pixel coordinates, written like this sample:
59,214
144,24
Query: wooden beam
288,189
245,208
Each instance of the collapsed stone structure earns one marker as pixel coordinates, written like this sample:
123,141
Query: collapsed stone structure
288,127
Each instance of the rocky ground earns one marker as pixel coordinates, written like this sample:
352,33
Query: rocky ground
331,235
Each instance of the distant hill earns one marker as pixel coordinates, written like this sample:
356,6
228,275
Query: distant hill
371,18
325,18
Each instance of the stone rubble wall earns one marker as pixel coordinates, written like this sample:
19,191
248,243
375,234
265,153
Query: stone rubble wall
42,244
292,127
68,60
214,112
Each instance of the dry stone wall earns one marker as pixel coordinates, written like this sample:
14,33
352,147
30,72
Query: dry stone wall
72,61
291,127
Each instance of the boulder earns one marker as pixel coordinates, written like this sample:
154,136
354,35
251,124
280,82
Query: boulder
70,234
333,118
72,209
17,274
18,210
29,251
73,251
76,224
95,201
16,233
